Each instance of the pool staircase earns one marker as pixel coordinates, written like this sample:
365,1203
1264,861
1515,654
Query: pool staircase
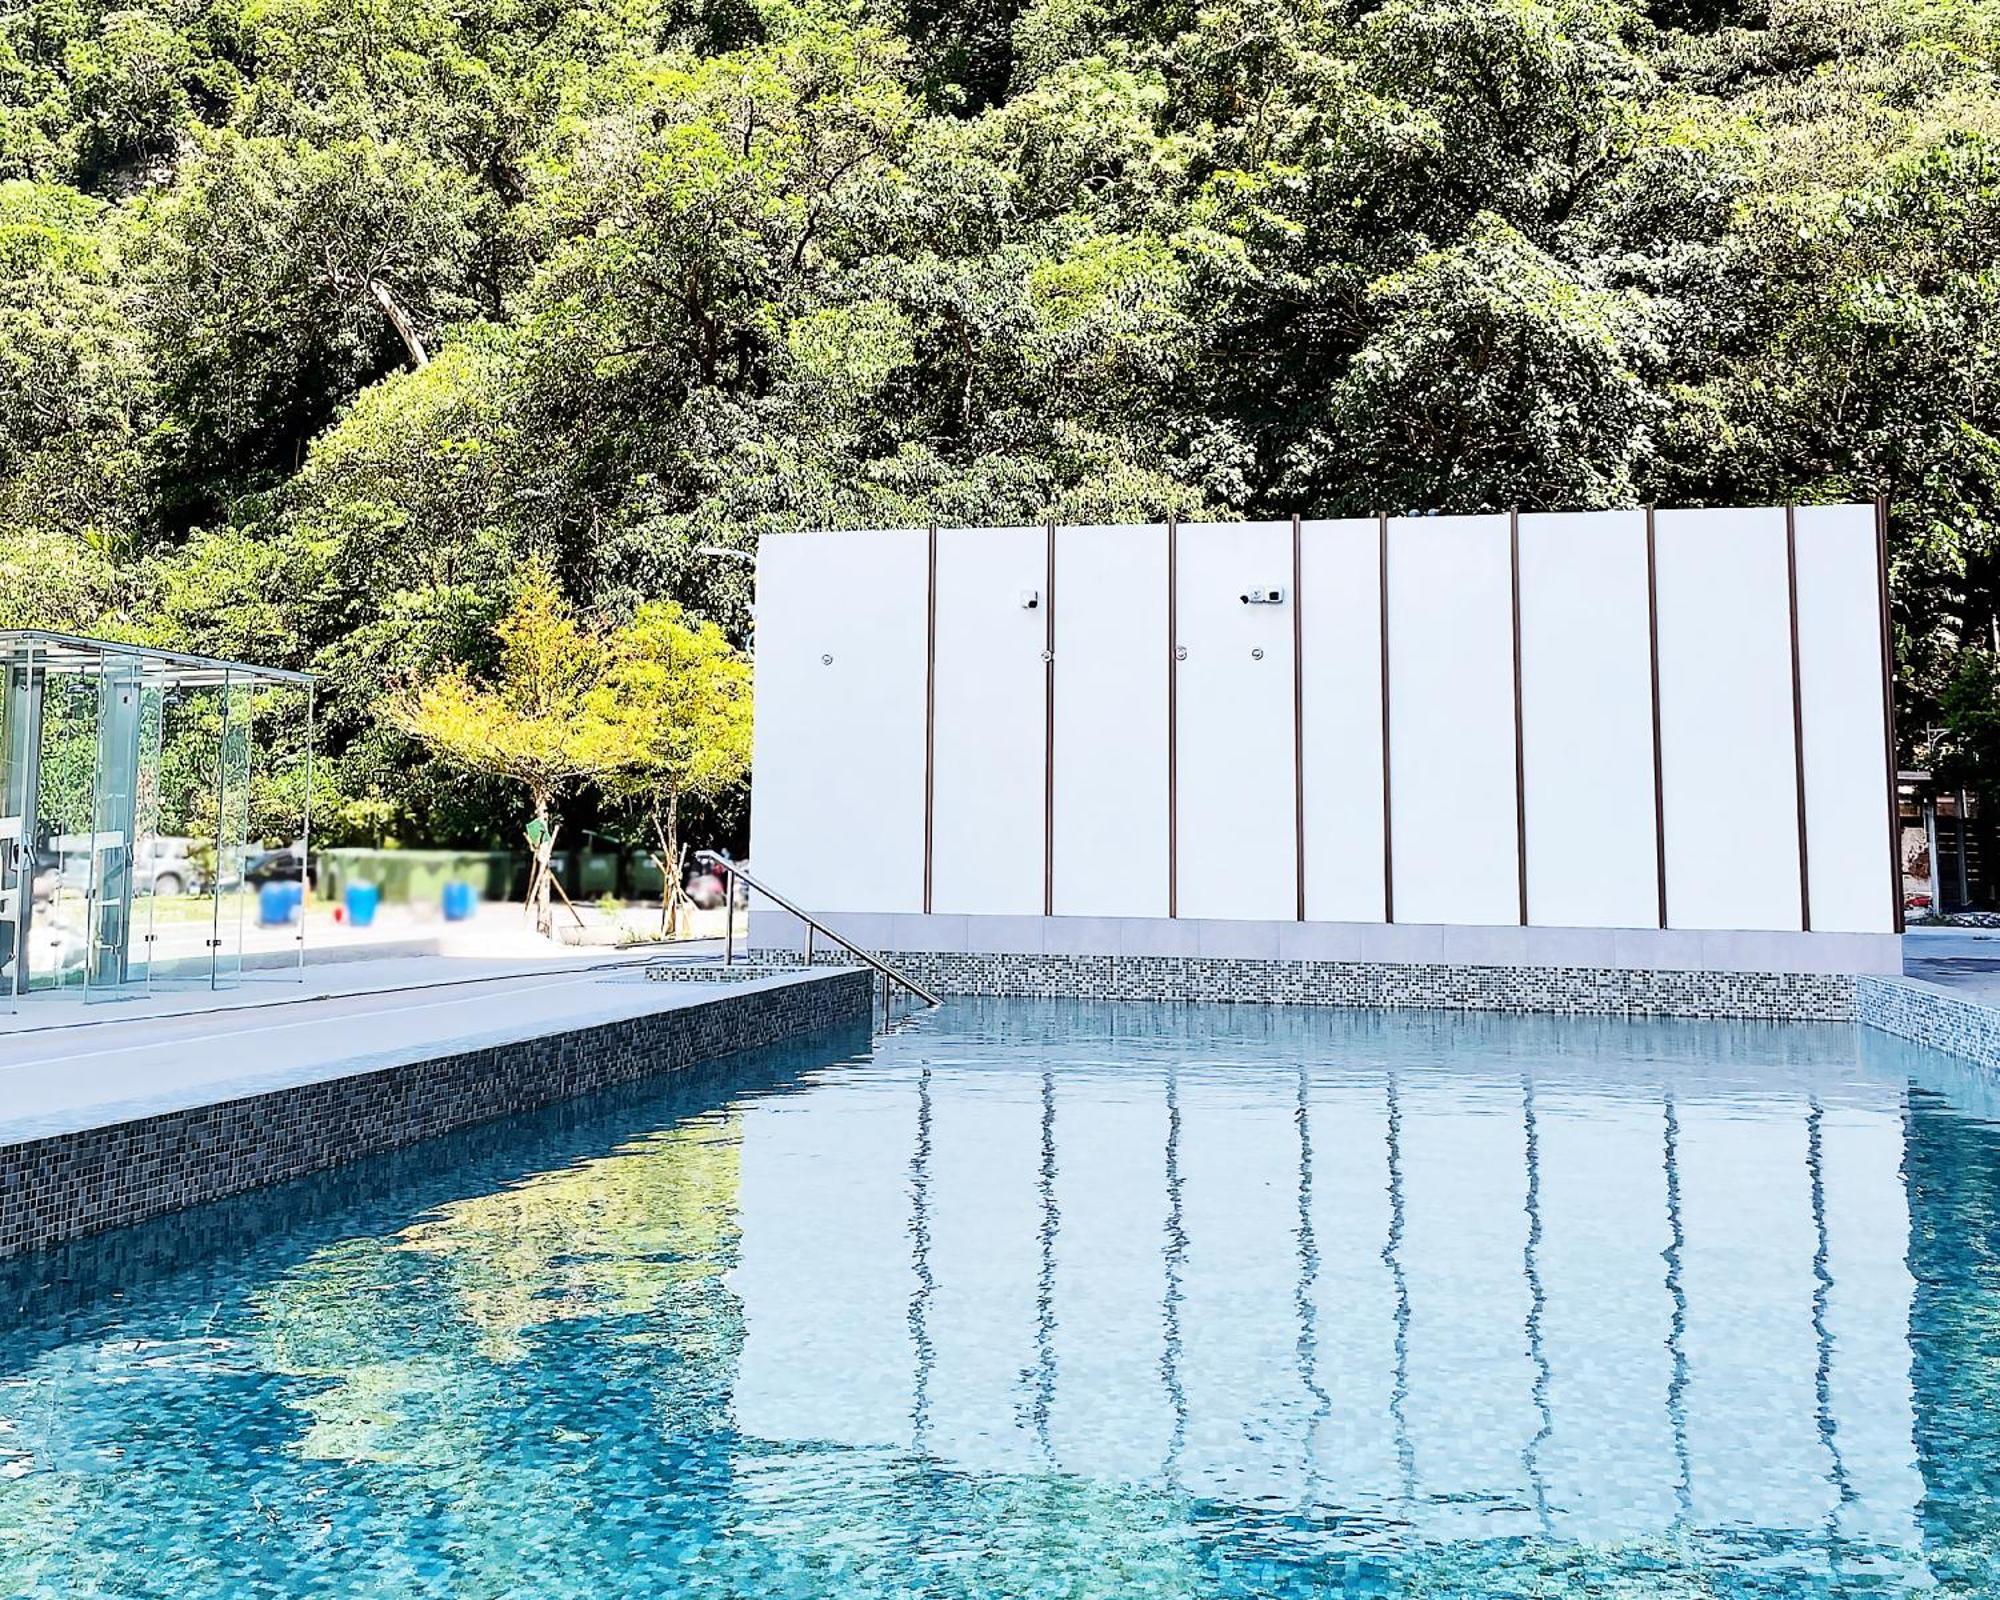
705,967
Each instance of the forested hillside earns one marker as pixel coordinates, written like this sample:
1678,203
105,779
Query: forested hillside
316,316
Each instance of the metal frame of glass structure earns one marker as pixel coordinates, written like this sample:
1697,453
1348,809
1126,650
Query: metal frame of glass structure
126,801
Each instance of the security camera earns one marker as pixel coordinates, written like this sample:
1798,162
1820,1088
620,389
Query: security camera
1263,597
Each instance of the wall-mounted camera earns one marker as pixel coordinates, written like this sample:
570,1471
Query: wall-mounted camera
1263,597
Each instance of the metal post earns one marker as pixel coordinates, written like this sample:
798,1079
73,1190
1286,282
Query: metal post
17,770
1964,872
1928,812
809,944
96,783
729,919
305,840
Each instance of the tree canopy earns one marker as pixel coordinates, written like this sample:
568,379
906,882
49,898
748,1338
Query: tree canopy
320,318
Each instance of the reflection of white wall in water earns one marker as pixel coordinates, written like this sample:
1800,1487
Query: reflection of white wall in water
1183,780
1423,1359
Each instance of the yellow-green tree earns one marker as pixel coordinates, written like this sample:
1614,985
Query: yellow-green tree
677,695
540,722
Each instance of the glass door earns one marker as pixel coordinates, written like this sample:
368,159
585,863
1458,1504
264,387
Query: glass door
115,846
233,830
153,867
17,818
60,914
179,785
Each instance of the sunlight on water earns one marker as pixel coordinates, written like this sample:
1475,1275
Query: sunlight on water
1054,1299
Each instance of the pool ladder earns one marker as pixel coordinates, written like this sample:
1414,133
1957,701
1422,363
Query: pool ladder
892,979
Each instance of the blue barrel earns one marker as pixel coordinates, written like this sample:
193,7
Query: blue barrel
459,901
276,903
362,899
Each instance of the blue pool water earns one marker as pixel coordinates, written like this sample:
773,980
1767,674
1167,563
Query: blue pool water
1061,1300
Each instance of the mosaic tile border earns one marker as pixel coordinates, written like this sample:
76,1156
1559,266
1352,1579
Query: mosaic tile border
1602,991
67,1185
1930,1016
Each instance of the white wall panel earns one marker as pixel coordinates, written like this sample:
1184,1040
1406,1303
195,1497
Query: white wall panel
838,815
837,819
1111,722
1238,826
1840,701
1586,721
1726,754
987,800
1451,720
1340,601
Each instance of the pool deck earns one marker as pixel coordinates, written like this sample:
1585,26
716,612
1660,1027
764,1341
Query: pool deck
66,1068
1964,960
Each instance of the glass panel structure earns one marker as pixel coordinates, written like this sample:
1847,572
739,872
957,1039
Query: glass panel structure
131,840
232,805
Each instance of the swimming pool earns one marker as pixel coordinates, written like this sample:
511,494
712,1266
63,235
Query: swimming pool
1038,1299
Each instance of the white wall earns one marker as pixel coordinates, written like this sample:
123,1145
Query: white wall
1340,610
1238,824
837,804
1840,701
1726,751
1586,724
1111,722
1451,720
991,714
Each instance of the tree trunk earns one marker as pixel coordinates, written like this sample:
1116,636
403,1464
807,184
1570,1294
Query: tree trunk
673,895
399,319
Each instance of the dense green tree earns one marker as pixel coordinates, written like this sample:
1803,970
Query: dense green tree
317,317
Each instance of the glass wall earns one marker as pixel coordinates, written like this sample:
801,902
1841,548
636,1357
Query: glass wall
17,743
146,801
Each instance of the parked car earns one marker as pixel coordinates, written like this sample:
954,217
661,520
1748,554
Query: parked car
285,864
165,865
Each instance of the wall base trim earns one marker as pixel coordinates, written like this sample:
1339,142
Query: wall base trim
1636,949
1598,991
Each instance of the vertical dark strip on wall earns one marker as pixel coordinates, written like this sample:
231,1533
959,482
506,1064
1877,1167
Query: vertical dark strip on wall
1889,709
1659,775
1798,713
930,712
1299,716
1173,717
1388,824
1520,738
1049,731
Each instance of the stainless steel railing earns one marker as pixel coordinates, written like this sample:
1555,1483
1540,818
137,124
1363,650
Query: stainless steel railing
813,925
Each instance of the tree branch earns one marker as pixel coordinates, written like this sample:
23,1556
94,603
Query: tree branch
399,319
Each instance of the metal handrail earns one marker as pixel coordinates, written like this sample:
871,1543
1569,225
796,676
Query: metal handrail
813,925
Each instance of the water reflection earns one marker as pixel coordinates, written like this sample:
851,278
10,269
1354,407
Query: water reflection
1098,1301
1677,1334
1537,1305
